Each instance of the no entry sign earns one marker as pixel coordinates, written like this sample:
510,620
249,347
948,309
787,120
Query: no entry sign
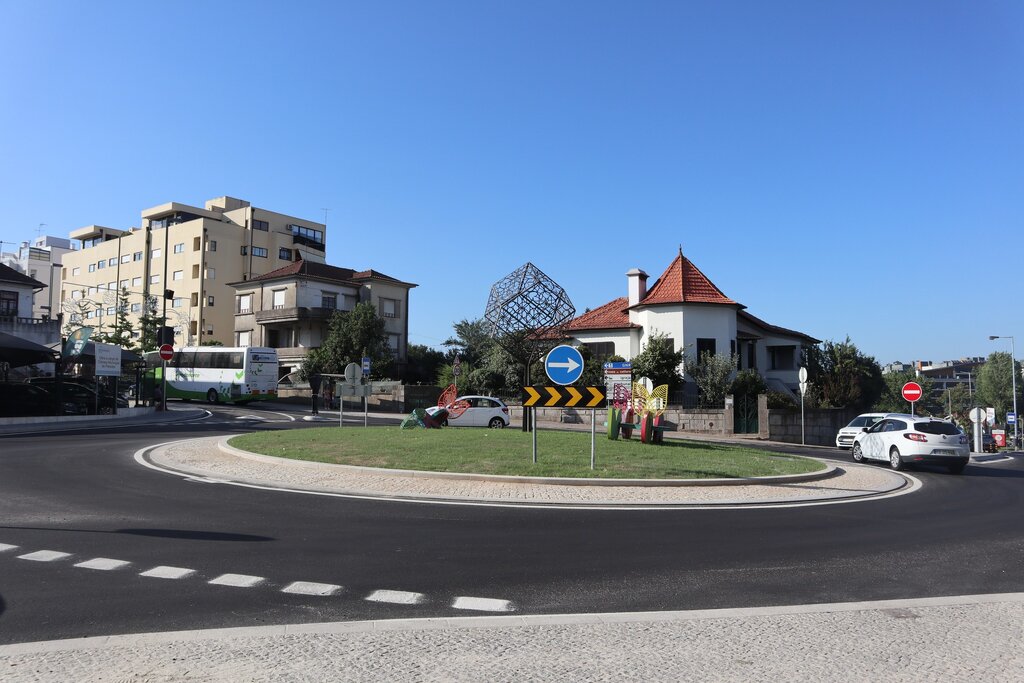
166,352
912,391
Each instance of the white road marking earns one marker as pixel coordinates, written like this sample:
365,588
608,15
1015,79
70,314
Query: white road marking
103,563
44,556
4,546
310,588
236,580
165,572
483,604
397,597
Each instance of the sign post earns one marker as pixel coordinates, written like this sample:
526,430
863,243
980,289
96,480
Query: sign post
803,390
166,353
912,392
108,364
456,371
977,419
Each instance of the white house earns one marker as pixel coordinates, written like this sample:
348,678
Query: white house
698,317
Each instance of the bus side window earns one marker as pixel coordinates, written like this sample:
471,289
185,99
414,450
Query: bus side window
235,360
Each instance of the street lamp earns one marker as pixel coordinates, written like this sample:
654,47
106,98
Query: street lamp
1013,378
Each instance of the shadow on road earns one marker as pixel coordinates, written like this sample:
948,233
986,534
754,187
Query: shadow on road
194,535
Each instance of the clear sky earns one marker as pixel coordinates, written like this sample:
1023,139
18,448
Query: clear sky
841,168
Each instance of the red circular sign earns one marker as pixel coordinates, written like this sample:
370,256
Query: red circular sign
166,352
912,391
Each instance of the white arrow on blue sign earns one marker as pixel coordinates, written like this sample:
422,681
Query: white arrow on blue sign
564,365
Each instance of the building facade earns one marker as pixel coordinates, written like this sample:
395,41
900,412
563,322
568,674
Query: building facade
684,305
17,291
289,309
185,256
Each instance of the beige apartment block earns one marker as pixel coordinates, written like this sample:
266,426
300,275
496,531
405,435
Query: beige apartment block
190,251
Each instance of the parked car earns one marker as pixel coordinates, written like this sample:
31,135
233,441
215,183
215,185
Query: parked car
907,439
18,399
846,435
988,444
82,395
483,411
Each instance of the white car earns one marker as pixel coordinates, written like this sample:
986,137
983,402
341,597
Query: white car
483,411
846,435
907,439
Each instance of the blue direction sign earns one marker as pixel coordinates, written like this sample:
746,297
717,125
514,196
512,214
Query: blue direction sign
1011,418
366,365
564,365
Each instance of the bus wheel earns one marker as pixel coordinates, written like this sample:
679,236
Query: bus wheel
211,396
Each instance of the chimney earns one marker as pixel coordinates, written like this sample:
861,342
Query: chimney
637,286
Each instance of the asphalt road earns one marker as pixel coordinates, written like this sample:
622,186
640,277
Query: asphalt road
82,493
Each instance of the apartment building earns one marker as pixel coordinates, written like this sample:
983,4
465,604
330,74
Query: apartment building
289,309
41,259
185,256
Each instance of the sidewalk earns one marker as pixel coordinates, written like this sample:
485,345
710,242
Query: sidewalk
968,638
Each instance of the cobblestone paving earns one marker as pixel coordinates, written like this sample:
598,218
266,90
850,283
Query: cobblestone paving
202,456
955,642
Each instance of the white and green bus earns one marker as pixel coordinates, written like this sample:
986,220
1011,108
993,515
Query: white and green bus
218,374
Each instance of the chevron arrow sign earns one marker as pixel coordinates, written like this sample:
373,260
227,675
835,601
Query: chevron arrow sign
564,397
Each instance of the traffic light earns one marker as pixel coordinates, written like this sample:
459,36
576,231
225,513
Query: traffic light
165,335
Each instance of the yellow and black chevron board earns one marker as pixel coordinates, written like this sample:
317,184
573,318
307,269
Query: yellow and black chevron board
564,397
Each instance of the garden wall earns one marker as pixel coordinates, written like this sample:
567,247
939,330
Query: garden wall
820,425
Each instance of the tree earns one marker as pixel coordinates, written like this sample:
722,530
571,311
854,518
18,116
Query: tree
424,364
660,363
892,401
843,377
76,312
995,384
748,383
120,333
149,323
711,375
350,336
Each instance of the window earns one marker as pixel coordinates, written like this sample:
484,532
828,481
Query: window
112,261
178,302
244,303
76,271
136,308
154,279
243,338
8,303
92,267
751,355
705,346
245,250
211,274
209,301
259,251
136,282
211,245
179,248
329,300
195,271
781,357
260,225
279,298
349,302
197,242
111,286
101,264
389,308
393,340
178,275
601,349
111,310
155,253
122,284
195,300
127,258
137,256
136,334
284,253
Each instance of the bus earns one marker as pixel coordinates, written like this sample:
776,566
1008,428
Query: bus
218,374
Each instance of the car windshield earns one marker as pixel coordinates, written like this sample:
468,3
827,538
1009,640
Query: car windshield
937,427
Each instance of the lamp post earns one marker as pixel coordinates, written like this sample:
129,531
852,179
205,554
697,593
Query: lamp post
1013,378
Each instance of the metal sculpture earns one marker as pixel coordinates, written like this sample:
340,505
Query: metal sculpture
647,406
447,407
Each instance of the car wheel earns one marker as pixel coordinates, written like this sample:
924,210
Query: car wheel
957,468
211,396
895,461
496,423
444,423
858,454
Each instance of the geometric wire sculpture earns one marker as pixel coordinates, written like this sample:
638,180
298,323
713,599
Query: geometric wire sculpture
527,300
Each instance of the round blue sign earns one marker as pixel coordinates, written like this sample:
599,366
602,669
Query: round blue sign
564,365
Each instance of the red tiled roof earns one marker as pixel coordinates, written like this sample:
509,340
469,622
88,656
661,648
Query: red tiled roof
681,283
326,272
611,316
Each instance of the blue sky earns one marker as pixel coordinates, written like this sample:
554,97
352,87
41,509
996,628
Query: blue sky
841,168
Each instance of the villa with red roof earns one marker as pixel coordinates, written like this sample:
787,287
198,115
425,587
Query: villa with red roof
290,308
698,317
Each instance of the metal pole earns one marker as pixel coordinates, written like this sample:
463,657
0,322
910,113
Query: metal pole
341,408
163,388
593,433
534,434
802,441
1013,376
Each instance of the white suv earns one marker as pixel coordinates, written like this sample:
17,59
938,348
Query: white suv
905,439
483,411
846,435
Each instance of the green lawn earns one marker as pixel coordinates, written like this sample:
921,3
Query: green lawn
508,451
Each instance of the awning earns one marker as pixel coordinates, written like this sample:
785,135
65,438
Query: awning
89,351
18,352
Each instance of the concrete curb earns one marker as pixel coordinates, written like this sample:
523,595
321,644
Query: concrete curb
829,471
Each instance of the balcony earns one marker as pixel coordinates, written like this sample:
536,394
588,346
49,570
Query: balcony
39,330
290,315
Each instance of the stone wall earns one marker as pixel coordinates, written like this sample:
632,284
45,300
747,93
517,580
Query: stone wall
690,421
820,425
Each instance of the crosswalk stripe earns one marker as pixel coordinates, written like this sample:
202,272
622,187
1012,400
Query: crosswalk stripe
5,546
397,597
44,556
236,580
311,588
165,572
103,564
483,604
